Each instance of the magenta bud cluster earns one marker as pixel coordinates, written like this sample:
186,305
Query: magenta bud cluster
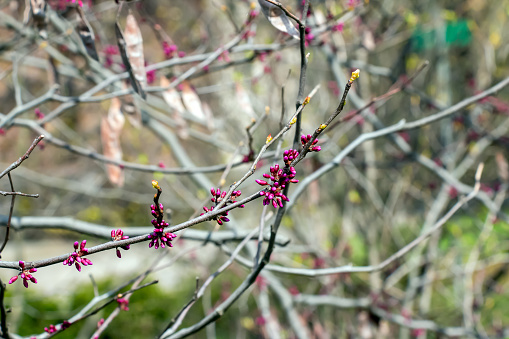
117,235
217,197
52,328
289,156
25,274
76,257
312,148
123,303
159,237
171,50
279,179
309,36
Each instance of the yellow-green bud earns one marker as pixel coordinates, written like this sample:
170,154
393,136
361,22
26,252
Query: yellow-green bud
355,75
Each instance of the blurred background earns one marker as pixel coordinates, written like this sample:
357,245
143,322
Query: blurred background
376,201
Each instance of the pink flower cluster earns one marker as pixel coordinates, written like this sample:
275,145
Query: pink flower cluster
158,236
171,50
309,36
26,275
110,51
117,235
38,113
80,2
338,27
313,148
52,328
280,177
76,256
123,303
217,197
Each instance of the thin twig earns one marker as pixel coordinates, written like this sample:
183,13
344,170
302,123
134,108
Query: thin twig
19,193
400,253
3,313
11,210
23,158
175,323
384,96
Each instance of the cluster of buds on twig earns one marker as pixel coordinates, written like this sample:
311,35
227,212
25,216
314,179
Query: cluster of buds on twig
123,303
117,235
25,274
281,177
217,197
304,139
159,236
76,256
53,329
171,51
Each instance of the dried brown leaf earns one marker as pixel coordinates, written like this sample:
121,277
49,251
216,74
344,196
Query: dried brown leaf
134,49
111,129
278,18
123,53
192,101
502,167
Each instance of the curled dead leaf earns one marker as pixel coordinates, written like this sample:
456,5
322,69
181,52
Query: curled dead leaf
502,167
125,59
134,49
192,102
278,18
111,129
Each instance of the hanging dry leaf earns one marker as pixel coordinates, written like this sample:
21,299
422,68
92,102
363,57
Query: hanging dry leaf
123,53
502,167
192,101
86,34
244,101
278,18
134,49
111,128
172,98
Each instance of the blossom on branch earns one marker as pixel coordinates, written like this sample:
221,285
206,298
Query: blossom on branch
25,274
281,177
304,139
217,197
117,235
76,256
53,329
123,303
159,236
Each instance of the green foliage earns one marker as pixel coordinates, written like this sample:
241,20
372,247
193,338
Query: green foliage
359,250
150,310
